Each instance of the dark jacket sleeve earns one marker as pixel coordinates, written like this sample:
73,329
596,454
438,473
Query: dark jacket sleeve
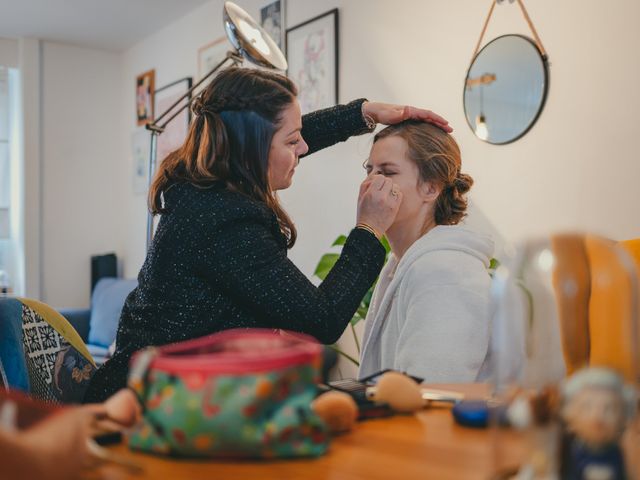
323,128
247,261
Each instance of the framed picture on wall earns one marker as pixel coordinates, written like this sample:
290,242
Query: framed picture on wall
312,53
176,131
272,19
140,144
145,86
211,55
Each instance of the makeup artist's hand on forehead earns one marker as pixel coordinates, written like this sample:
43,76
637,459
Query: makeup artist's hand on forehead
389,114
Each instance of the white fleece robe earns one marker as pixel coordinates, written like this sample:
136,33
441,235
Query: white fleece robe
429,313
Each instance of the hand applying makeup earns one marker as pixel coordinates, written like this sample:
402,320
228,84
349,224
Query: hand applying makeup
389,114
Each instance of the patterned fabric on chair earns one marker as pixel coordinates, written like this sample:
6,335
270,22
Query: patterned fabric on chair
41,353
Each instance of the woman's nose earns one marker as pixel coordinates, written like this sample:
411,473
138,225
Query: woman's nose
302,147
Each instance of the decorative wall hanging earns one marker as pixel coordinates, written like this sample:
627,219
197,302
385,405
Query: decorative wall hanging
139,158
211,55
145,85
312,54
272,19
175,132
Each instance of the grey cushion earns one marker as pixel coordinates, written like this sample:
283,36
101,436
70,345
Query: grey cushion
106,305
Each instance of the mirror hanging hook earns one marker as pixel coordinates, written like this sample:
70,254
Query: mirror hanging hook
527,18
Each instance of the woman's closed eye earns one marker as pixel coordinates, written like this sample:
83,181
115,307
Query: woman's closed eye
294,140
384,173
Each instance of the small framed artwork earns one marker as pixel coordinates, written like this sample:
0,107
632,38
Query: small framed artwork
176,130
312,54
140,145
145,85
272,20
211,55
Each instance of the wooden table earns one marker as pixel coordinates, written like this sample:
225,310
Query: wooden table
427,445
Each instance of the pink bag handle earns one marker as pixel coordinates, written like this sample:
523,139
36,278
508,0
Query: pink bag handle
235,351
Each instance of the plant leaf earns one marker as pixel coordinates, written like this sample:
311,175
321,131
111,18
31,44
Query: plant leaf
346,355
325,265
385,244
366,300
341,240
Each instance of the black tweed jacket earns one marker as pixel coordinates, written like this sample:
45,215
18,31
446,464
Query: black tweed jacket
219,261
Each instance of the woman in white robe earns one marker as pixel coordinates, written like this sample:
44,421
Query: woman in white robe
429,312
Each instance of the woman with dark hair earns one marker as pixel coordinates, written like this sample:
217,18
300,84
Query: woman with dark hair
219,256
428,314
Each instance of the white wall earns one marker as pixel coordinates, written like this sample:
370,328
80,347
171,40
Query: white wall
9,52
29,187
81,206
577,168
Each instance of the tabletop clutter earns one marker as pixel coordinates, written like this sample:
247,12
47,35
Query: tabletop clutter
250,393
254,394
257,394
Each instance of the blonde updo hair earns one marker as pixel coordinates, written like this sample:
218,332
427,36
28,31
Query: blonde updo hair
437,156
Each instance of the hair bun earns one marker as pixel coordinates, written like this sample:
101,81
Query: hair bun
462,183
451,205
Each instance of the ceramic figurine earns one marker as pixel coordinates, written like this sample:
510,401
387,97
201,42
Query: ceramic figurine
596,407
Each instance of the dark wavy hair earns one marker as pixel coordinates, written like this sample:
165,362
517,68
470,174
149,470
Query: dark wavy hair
229,139
437,157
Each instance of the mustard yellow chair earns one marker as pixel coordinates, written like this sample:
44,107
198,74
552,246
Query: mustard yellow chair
633,249
41,354
572,283
592,280
611,308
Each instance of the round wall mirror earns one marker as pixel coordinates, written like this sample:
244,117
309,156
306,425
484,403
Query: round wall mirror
505,89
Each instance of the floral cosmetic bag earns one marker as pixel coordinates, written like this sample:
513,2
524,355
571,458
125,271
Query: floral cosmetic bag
238,393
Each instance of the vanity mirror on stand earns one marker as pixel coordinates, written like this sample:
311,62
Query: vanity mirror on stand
506,84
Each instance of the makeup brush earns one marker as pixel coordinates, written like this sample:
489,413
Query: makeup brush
338,410
403,394
400,392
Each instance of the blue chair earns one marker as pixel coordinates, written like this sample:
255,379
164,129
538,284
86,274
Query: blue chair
98,324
